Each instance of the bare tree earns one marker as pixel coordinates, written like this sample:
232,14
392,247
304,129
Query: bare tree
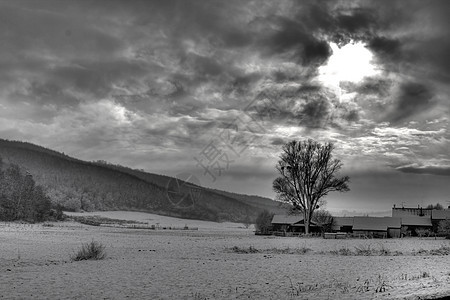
307,174
324,220
263,222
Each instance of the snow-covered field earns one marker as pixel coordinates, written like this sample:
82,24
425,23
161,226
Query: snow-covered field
162,264
152,219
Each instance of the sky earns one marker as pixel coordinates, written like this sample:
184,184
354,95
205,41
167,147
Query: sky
215,88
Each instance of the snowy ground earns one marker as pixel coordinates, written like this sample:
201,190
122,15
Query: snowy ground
161,264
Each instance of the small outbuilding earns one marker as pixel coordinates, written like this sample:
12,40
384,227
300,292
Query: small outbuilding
438,215
291,223
382,227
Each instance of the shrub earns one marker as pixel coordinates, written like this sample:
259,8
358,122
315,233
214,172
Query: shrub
364,250
93,251
423,232
404,231
443,250
384,251
425,274
444,228
303,250
250,249
263,222
344,251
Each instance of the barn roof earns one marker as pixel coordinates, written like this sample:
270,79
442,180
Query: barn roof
375,224
393,222
440,214
293,220
342,221
416,221
286,219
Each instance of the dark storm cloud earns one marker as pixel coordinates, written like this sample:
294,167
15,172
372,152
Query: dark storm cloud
277,141
386,30
429,170
97,77
68,86
411,41
374,86
352,25
429,47
28,30
310,106
204,66
315,113
212,20
385,48
359,20
242,83
412,98
300,36
185,132
294,41
352,115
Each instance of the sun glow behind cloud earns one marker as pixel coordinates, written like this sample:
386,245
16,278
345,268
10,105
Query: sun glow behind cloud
351,62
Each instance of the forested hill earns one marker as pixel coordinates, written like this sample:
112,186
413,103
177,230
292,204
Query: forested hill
162,180
81,185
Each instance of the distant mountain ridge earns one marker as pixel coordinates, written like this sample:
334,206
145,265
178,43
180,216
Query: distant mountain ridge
80,185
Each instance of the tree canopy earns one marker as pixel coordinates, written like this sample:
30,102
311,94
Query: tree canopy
20,197
308,172
437,206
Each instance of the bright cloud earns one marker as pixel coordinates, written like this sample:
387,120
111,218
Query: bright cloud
351,62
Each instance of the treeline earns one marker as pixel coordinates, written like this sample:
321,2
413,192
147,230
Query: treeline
21,198
437,206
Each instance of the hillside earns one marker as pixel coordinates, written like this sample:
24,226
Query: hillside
162,180
80,185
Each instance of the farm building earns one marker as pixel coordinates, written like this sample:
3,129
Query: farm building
411,224
411,211
407,221
438,216
343,224
291,223
376,226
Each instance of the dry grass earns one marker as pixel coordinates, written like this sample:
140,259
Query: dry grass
442,250
251,249
359,250
90,251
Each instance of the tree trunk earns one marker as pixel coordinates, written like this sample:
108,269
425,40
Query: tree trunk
306,221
